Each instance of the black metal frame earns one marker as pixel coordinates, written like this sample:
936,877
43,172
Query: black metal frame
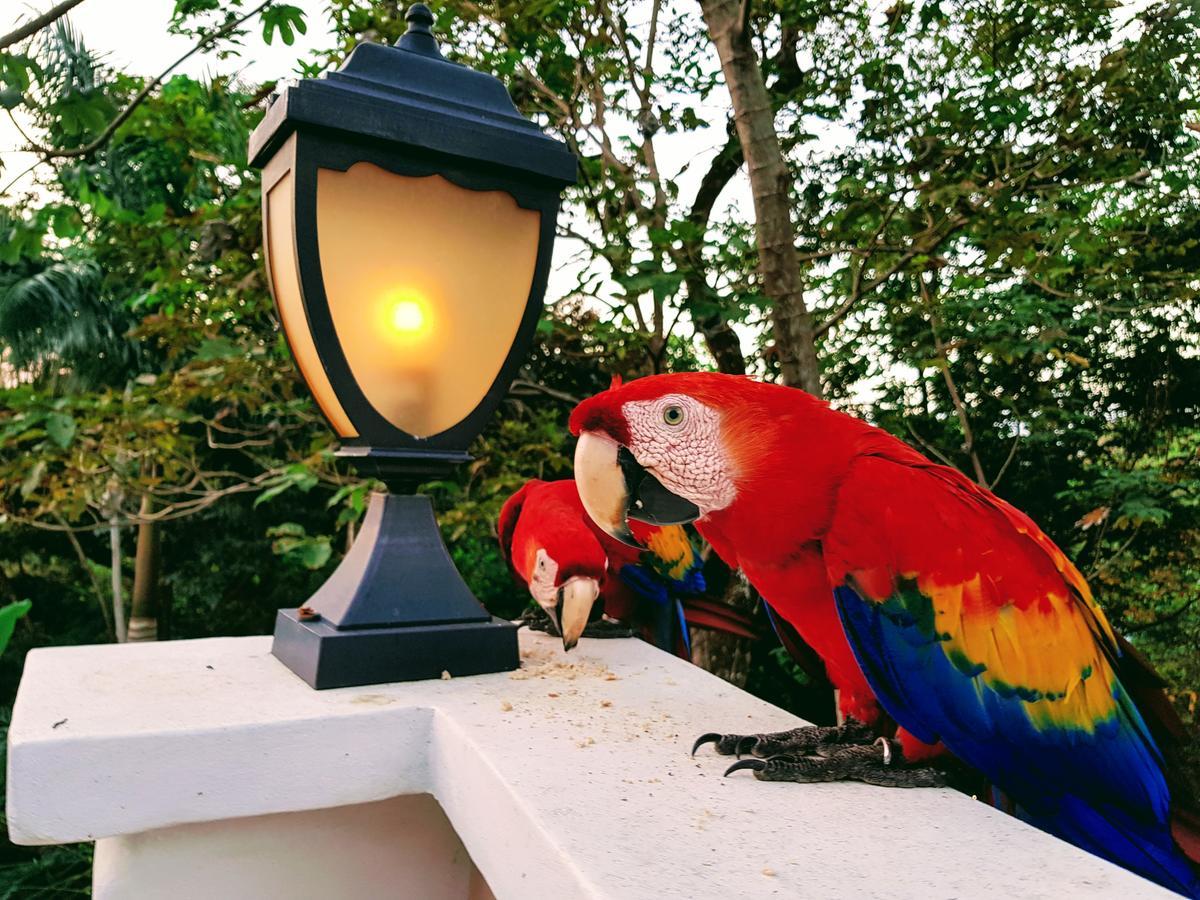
396,608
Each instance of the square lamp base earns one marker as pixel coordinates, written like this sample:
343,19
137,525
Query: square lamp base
326,657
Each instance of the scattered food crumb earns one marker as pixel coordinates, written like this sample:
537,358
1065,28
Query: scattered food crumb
59,722
541,662
446,676
611,676
587,742
552,694
606,703
770,873
505,706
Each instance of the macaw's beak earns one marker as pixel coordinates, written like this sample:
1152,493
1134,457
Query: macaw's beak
573,606
615,488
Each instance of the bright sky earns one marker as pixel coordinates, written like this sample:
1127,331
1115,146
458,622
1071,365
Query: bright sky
133,35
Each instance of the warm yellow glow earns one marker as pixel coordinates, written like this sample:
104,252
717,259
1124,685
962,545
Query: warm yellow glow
280,243
427,283
408,317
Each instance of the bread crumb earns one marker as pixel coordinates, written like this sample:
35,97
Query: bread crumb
770,873
552,694
587,742
446,676
606,703
612,676
505,706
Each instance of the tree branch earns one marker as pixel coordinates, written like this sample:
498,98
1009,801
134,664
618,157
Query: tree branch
21,32
521,385
110,129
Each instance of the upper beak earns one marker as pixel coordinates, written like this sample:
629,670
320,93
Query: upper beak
573,608
614,488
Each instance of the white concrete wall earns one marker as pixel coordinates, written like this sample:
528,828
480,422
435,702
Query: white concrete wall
570,778
403,848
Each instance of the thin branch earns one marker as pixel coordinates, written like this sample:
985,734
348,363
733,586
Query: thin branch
534,387
35,25
84,563
928,446
1161,620
960,408
37,162
123,115
1012,454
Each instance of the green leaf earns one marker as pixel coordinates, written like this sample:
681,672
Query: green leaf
217,348
61,428
8,620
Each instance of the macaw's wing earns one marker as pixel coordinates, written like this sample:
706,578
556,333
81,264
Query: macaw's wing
510,514
974,629
671,555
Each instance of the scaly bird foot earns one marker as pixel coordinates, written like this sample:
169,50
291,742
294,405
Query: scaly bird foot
535,619
799,741
881,763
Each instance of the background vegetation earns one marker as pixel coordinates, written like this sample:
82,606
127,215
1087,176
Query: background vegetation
987,243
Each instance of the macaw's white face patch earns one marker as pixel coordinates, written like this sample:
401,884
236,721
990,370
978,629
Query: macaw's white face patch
678,440
542,584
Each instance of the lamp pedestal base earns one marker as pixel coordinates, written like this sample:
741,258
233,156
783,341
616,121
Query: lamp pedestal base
396,609
328,658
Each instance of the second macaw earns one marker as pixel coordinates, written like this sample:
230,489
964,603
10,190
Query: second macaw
928,598
568,564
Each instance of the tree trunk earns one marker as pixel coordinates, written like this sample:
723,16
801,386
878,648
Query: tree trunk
118,598
770,181
143,611
724,345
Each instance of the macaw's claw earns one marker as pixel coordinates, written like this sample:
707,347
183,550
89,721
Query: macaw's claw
880,763
726,744
756,764
802,741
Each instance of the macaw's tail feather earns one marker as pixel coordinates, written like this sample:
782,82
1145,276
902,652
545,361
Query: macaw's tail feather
801,653
1185,828
1144,847
1148,690
717,616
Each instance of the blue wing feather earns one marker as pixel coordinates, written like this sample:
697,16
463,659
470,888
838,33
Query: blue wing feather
1100,788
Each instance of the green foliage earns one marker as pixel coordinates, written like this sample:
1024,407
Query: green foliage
8,620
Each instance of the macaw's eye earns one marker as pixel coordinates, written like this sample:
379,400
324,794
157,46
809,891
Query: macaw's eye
673,415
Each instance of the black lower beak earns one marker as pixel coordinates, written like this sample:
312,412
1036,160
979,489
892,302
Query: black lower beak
648,500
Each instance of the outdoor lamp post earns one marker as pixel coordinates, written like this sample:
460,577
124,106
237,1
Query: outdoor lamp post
408,220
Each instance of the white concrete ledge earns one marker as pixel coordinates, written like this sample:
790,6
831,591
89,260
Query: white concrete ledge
568,778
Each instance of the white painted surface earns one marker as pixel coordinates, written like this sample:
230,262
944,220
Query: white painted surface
568,778
310,855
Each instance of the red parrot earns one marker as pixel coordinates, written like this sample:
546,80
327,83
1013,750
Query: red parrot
930,600
568,563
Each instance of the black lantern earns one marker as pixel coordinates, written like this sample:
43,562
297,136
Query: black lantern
408,217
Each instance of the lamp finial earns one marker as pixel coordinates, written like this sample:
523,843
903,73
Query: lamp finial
419,36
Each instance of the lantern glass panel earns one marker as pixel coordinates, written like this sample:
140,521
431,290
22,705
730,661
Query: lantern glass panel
285,282
427,283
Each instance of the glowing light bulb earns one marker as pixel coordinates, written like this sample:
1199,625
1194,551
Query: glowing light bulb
408,317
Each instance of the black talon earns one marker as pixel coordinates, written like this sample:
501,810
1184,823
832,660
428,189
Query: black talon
756,764
711,738
748,742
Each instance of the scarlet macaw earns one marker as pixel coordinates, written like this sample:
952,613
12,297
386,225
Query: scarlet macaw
927,597
556,550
